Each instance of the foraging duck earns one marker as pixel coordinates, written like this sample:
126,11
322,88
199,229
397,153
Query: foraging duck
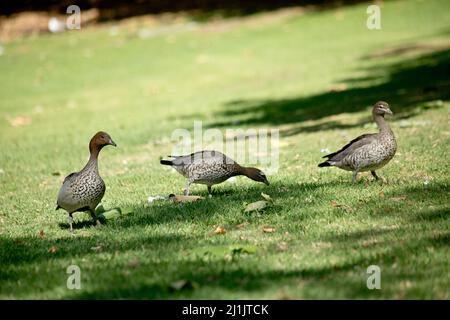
83,190
210,168
367,152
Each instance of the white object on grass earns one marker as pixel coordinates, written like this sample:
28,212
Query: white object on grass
150,199
56,25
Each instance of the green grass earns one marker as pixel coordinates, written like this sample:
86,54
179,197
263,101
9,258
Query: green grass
254,73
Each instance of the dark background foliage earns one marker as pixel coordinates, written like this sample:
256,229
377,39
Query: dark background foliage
117,9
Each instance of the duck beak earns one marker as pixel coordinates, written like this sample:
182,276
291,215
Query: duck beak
389,112
112,143
266,182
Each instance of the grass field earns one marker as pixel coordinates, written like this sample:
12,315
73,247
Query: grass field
313,75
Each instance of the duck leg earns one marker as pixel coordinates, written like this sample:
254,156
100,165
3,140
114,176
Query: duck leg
94,217
355,173
70,222
383,180
188,185
374,174
210,191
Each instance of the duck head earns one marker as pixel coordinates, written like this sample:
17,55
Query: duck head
256,175
99,140
381,108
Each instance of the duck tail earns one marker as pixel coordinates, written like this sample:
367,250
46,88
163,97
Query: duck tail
324,164
166,162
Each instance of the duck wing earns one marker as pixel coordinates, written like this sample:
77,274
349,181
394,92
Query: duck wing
64,187
356,143
70,177
207,156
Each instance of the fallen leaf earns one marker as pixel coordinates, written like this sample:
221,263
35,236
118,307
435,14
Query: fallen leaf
110,214
113,213
126,210
41,234
266,197
181,285
334,204
56,173
268,229
134,263
97,248
20,121
183,199
256,206
399,198
338,87
381,194
53,249
220,230
242,225
282,246
369,243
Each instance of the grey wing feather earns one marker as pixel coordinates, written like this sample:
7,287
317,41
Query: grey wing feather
356,143
70,176
212,157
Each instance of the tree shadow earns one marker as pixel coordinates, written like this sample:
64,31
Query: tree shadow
199,10
28,250
78,224
405,85
339,276
224,196
244,273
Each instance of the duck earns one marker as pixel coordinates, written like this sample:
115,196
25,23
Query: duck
368,152
83,190
210,167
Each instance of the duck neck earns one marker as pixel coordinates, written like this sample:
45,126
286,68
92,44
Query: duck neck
382,124
92,164
241,171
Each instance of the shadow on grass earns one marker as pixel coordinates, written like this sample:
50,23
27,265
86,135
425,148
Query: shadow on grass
27,250
405,85
342,267
225,197
24,250
348,275
78,224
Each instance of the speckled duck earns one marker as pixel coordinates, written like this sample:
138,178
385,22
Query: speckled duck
368,152
83,190
210,168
